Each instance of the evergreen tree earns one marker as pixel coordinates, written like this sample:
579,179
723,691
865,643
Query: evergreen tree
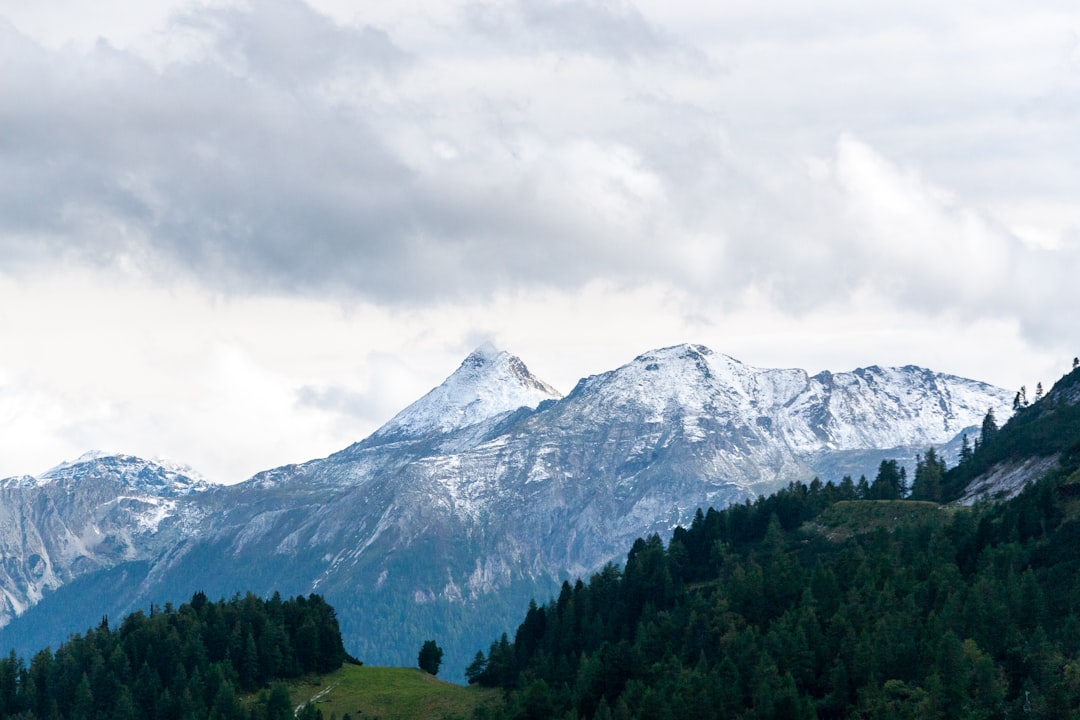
82,707
989,427
862,488
889,483
929,474
430,657
278,703
965,450
476,667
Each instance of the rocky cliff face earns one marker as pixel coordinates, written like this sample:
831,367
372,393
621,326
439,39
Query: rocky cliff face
94,513
492,488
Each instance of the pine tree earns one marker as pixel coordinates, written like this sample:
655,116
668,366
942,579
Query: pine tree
862,488
989,427
279,704
1038,391
889,483
430,657
476,667
929,472
965,449
83,704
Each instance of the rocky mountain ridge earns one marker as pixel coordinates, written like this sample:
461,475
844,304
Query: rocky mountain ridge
492,488
93,513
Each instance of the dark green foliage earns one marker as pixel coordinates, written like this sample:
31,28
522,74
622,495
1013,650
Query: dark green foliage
929,476
767,610
278,704
890,483
476,667
965,450
430,657
989,427
195,661
1045,428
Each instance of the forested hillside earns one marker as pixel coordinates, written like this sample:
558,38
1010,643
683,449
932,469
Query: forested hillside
201,660
1047,427
821,601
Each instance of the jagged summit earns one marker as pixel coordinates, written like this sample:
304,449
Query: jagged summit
157,477
489,383
687,377
709,392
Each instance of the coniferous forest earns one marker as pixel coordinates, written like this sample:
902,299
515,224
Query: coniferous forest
201,660
831,601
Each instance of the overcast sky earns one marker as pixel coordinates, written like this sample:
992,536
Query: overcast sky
245,234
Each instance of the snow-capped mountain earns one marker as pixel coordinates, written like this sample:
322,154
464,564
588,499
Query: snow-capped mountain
82,516
489,384
492,488
158,477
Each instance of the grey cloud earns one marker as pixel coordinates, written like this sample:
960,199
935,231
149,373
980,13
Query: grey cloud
238,179
286,160
253,185
609,28
353,406
615,28
289,43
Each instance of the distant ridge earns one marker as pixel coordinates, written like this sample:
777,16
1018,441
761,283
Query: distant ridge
93,513
492,488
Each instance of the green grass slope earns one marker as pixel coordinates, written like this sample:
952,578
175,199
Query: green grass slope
846,518
389,693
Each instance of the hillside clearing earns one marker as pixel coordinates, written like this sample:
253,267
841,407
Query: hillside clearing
389,693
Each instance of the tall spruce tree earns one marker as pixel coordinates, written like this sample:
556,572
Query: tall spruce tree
989,427
929,473
889,483
965,449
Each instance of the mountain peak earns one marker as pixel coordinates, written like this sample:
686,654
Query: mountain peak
490,382
484,353
158,477
87,457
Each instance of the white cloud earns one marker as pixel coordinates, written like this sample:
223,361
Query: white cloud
280,222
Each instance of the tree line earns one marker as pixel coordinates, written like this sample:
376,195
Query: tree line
202,660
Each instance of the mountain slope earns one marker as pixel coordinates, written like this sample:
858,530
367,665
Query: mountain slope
78,517
491,489
1041,438
818,603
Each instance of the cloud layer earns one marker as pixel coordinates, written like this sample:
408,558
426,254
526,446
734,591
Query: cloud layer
779,163
277,149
